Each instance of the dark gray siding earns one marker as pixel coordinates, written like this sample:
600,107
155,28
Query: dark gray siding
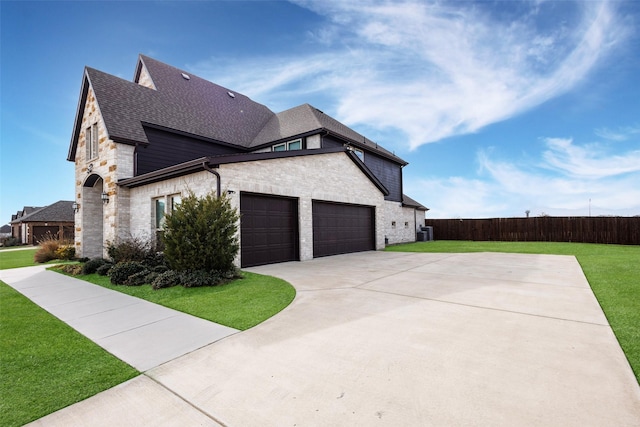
389,173
330,142
168,149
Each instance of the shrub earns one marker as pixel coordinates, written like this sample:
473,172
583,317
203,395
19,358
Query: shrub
72,269
159,269
10,241
155,259
197,278
104,269
201,234
65,252
151,277
120,272
92,265
137,279
131,249
166,280
48,247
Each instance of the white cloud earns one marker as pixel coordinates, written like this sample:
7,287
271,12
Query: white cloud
581,180
620,134
588,162
430,70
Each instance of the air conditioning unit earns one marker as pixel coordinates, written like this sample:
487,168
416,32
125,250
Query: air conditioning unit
425,234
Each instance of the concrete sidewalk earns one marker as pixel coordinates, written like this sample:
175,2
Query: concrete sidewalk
136,331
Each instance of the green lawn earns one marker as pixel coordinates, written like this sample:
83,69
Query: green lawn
17,258
46,365
613,271
240,304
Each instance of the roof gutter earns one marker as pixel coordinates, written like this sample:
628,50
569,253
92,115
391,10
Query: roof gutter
206,167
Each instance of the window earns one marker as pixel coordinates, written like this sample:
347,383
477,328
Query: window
296,144
174,201
359,153
159,213
159,209
91,141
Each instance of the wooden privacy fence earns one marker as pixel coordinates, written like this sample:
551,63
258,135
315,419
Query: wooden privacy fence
613,230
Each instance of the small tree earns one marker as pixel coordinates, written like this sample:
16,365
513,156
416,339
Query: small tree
201,234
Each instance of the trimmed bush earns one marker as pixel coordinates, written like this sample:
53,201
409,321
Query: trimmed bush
151,277
166,280
72,269
155,259
66,252
137,279
201,234
92,265
121,272
104,269
197,278
10,241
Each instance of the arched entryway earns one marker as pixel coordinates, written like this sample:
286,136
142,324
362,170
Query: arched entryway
92,217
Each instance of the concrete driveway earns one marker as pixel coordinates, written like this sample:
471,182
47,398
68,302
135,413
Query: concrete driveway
401,339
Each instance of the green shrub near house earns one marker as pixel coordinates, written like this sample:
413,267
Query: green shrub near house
201,234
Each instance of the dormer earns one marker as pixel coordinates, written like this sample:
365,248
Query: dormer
142,76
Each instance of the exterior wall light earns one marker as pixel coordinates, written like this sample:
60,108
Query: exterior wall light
76,207
104,197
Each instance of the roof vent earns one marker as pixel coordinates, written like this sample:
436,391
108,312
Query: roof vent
186,76
231,94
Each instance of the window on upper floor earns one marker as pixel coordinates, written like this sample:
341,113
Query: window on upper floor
91,141
296,144
359,153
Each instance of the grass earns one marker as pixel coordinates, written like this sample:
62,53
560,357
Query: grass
45,364
21,258
17,258
613,271
240,304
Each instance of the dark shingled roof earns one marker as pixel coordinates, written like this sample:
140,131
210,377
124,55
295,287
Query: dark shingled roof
199,107
61,211
408,201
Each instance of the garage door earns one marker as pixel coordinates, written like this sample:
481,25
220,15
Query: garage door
41,232
342,228
268,229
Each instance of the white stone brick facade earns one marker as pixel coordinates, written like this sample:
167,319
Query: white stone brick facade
329,177
97,222
130,213
402,223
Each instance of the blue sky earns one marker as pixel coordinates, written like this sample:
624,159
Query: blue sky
499,107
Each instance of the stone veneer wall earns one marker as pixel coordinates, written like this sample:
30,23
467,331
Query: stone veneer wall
329,177
114,162
402,223
145,79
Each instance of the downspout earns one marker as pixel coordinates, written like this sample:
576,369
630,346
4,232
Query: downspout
206,167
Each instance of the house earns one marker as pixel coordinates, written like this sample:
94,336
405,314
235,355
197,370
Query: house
32,224
305,184
5,231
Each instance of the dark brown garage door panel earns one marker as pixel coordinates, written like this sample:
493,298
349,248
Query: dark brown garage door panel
268,229
342,228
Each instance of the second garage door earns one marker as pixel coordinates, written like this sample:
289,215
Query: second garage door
268,229
342,228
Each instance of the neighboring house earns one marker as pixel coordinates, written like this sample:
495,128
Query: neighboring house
5,231
305,184
32,224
